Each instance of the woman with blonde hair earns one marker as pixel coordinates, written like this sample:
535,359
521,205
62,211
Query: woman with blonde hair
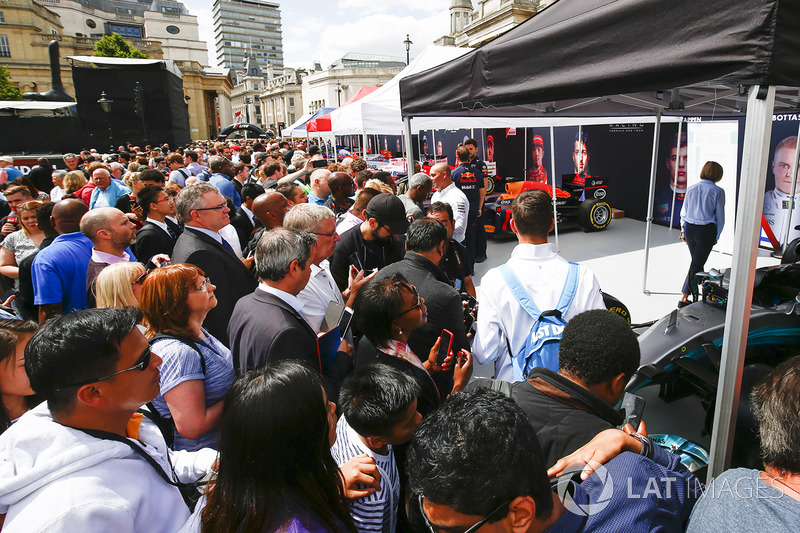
74,180
119,285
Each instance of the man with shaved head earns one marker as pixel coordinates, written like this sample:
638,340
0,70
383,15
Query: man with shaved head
342,188
59,271
319,186
269,209
111,232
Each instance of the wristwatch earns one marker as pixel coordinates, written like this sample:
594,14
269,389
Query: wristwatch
647,445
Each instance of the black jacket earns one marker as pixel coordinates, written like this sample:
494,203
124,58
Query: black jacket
372,254
152,240
564,415
244,228
227,272
444,309
264,329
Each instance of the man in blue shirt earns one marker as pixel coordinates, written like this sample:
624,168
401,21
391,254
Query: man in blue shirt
59,271
222,173
320,190
7,165
480,233
500,477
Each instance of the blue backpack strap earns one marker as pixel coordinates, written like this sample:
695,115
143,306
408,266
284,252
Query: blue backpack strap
570,288
520,293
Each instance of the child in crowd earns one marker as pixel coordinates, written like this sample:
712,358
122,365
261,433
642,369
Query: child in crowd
379,410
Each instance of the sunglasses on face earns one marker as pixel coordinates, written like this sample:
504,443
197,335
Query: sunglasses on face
141,364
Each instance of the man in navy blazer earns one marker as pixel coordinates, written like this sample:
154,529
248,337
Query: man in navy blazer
266,326
204,211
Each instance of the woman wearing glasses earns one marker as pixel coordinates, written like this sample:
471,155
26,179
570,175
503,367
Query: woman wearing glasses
197,369
387,311
120,284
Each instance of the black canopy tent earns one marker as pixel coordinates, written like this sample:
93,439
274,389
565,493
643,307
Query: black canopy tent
708,52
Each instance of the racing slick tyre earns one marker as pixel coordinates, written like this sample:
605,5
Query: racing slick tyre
792,253
594,215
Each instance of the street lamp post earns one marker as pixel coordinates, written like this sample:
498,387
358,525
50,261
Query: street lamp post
105,105
408,44
339,93
247,102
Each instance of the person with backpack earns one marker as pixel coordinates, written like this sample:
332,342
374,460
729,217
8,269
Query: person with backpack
525,303
198,369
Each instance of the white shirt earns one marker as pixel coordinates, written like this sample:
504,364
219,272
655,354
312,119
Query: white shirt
543,273
776,208
162,225
56,193
458,201
318,293
349,220
290,299
248,213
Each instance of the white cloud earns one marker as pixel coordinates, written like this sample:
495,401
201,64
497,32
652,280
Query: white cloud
396,7
381,34
323,30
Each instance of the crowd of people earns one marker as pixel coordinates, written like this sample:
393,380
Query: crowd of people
166,361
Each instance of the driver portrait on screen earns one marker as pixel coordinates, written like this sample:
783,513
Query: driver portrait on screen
537,172
580,159
490,148
777,201
663,208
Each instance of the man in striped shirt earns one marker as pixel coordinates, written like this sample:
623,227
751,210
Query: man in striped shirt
379,411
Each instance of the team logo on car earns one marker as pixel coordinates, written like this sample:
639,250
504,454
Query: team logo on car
600,193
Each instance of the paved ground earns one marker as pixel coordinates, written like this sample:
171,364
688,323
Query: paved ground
616,256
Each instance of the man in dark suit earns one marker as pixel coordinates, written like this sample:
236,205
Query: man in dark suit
244,220
266,325
204,211
425,244
159,234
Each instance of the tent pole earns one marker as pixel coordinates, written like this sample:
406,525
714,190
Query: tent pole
755,156
364,146
553,170
651,199
788,224
409,152
675,175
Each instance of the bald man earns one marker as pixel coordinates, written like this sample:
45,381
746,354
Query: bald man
319,186
342,187
59,271
269,208
111,233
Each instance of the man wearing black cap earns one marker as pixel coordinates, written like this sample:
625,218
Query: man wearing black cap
377,242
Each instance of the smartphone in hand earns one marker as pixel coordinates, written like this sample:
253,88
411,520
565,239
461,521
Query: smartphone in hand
445,346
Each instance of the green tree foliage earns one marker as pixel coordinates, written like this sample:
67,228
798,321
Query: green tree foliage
115,46
7,91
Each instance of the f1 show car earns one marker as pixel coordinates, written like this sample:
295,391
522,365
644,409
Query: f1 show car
576,205
681,351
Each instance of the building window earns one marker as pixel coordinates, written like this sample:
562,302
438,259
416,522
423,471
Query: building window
174,30
92,24
123,10
2,17
125,31
255,85
291,102
171,10
5,51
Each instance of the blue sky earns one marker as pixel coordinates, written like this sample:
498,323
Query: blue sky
325,30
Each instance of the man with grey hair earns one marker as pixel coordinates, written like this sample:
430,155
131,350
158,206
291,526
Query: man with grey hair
111,233
222,173
420,186
321,289
204,211
266,326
